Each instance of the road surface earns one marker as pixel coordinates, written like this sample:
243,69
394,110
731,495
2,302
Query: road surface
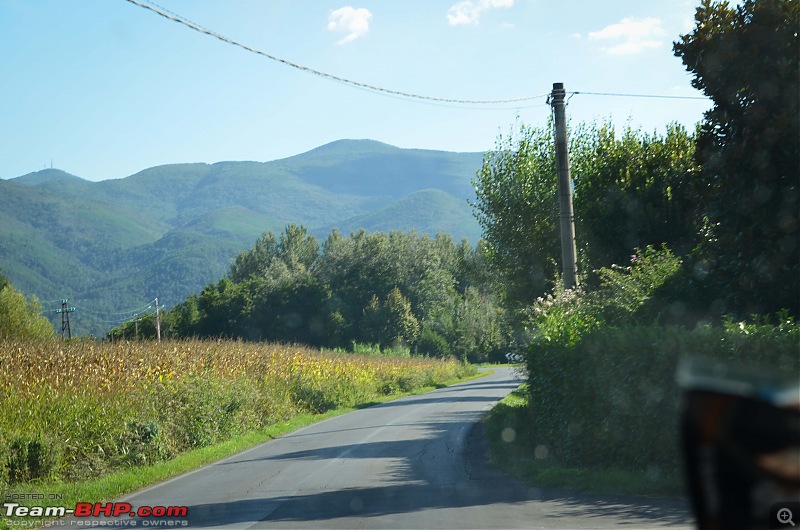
417,462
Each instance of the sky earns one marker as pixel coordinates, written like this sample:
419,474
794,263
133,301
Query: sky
103,89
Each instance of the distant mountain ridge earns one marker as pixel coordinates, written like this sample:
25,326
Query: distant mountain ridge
169,230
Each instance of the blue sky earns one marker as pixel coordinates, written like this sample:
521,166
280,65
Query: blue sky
105,88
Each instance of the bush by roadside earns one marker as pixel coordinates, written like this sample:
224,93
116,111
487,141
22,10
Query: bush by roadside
612,399
602,371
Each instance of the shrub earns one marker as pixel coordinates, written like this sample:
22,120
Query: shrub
432,344
625,290
566,315
139,444
611,399
21,318
32,458
366,349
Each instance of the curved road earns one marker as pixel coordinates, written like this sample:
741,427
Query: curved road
416,462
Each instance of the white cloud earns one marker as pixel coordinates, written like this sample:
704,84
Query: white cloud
353,22
470,11
631,35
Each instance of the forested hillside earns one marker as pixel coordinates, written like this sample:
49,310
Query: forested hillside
113,246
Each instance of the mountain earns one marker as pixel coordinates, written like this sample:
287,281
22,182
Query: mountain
113,246
50,177
427,211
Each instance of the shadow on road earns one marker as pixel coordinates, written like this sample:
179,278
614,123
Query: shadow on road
414,490
403,499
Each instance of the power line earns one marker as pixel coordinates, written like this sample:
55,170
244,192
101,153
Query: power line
175,17
635,95
135,316
144,307
155,8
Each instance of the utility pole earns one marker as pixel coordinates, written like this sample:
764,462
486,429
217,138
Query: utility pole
158,323
65,311
567,217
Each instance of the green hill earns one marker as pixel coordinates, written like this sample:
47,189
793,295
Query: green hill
426,211
167,231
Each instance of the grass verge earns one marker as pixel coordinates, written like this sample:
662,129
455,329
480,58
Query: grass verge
514,451
121,483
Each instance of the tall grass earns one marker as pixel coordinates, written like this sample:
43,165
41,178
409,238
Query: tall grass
71,411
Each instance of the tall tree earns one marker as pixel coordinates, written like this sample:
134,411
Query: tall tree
255,261
516,207
632,190
390,322
21,318
297,247
745,58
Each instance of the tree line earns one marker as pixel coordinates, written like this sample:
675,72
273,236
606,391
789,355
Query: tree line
429,295
438,297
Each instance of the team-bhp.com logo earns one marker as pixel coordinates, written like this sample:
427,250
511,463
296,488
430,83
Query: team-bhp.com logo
97,509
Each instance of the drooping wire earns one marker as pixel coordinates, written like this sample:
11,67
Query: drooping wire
121,316
175,17
146,306
155,8
138,315
574,93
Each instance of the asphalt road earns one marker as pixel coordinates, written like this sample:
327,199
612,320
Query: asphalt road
417,462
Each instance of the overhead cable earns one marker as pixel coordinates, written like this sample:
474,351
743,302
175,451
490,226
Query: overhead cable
144,307
635,95
155,8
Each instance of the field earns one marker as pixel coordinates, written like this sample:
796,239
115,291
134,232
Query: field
79,410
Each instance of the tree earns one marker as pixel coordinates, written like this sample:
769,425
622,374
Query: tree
253,262
297,248
221,307
746,60
390,322
369,288
182,320
632,191
21,319
478,330
293,310
401,324
432,344
517,208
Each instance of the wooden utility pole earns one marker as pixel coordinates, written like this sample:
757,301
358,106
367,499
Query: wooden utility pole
568,254
158,323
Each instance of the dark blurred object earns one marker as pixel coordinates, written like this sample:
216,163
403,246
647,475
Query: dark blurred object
741,443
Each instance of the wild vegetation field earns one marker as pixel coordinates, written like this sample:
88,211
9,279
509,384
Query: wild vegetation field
78,410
